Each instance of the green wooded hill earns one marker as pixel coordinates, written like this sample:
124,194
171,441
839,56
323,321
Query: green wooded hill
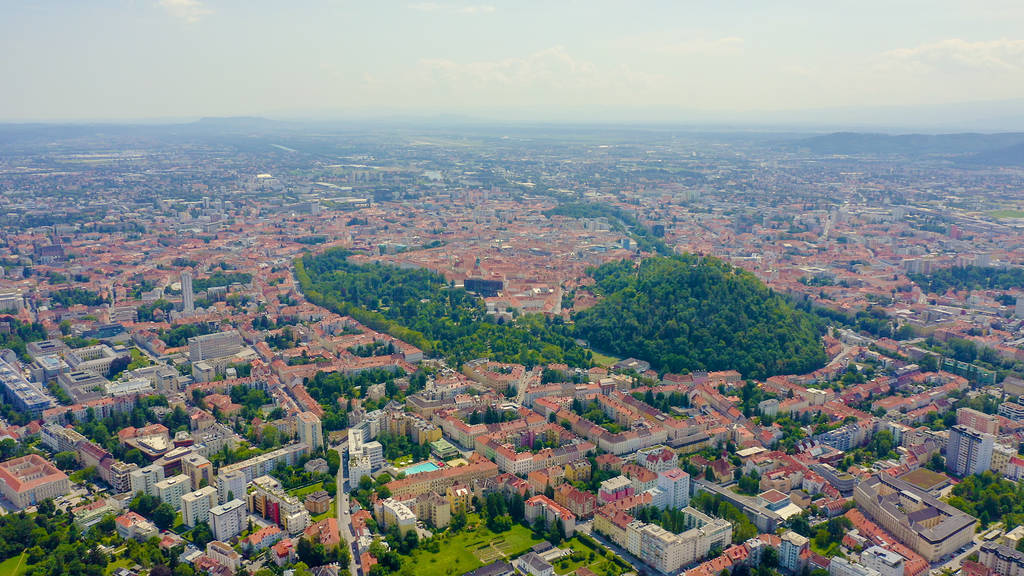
683,316
422,308
969,278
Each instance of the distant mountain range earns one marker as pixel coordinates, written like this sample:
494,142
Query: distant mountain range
1004,149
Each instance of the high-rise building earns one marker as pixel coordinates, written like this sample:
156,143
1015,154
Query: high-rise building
188,303
170,490
676,485
228,519
1002,560
195,506
310,431
198,469
270,501
216,345
230,485
968,451
791,550
144,479
376,452
987,423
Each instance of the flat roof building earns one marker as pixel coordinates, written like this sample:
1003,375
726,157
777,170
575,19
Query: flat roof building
25,396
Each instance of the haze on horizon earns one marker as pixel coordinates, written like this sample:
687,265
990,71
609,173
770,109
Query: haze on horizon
523,60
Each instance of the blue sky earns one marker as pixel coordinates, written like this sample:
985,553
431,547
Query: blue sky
521,59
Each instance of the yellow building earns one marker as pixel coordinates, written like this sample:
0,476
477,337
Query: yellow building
459,498
578,471
435,508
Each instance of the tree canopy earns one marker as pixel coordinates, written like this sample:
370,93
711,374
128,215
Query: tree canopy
685,313
423,308
970,278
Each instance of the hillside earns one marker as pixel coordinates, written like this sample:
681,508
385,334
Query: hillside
965,145
422,308
683,316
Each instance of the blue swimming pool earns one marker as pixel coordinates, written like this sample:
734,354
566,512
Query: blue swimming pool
421,467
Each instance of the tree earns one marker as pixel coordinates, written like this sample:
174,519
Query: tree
410,541
539,527
163,516
143,504
459,521
344,556
312,553
65,460
202,535
928,363
333,461
800,525
881,443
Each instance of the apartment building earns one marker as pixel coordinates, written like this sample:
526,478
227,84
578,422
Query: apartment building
968,451
227,520
195,506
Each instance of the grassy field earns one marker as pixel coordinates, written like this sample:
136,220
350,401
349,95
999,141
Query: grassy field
403,461
469,549
179,524
600,564
14,566
832,550
603,360
119,563
332,512
1007,213
301,493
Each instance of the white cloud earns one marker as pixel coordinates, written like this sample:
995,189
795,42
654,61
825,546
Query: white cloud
993,55
551,78
551,66
187,10
476,9
471,9
703,46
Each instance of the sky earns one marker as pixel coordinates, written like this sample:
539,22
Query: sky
517,60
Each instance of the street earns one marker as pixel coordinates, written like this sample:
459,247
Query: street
344,513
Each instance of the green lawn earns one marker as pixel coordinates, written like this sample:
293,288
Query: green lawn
601,564
403,461
301,493
830,551
119,563
474,546
1007,213
14,566
179,524
332,512
603,360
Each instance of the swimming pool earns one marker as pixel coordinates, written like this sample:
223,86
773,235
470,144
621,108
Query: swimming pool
421,467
